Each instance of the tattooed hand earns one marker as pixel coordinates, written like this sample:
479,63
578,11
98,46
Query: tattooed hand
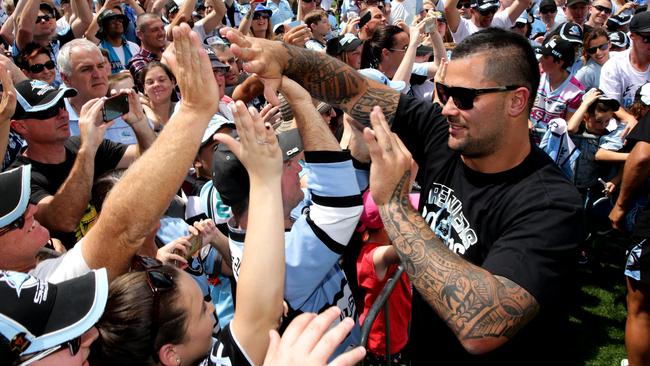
391,160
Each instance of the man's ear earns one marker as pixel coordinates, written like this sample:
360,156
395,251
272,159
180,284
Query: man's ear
19,126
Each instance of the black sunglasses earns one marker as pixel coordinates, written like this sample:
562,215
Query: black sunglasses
73,345
603,9
18,223
463,5
260,15
36,68
48,113
45,18
158,280
487,11
602,47
464,97
548,10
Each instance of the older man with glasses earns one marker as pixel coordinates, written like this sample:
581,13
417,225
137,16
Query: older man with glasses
491,254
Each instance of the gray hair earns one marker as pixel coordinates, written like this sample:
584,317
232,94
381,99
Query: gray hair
63,59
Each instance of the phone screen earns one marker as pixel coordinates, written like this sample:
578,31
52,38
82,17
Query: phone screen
115,106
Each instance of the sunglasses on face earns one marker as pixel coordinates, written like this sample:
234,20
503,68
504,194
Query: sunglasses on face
48,113
464,97
463,5
603,9
547,11
73,345
487,12
602,47
262,16
18,223
44,18
36,68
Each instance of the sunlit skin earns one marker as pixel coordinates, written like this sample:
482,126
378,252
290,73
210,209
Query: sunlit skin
601,56
47,75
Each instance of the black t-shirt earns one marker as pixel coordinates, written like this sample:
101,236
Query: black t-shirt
226,351
523,224
641,132
48,178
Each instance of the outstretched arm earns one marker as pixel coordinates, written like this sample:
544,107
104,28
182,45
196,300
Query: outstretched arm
113,241
324,77
445,280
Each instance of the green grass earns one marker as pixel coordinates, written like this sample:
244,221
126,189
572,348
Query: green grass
598,316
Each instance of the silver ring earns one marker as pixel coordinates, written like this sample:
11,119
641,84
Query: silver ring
261,142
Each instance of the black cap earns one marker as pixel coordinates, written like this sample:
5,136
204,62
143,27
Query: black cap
571,32
345,43
574,2
560,49
548,4
14,190
619,39
640,23
619,20
109,14
171,7
229,176
33,96
483,5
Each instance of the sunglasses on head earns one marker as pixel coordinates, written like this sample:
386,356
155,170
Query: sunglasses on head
464,97
602,47
44,18
18,223
603,9
48,113
644,38
73,345
261,15
36,68
463,5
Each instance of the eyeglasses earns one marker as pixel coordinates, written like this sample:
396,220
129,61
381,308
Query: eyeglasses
73,346
403,49
463,5
487,11
261,15
18,223
464,97
644,38
44,18
48,113
36,68
603,9
547,10
602,47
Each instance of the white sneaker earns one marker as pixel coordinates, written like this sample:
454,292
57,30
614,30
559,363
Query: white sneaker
624,362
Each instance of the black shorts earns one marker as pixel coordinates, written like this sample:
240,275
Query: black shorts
638,262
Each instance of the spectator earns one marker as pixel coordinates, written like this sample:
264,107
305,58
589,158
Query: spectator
559,92
484,14
311,286
235,74
151,33
110,36
259,25
547,12
635,175
159,94
600,10
538,295
36,63
377,20
347,48
119,81
619,41
577,11
596,53
63,167
625,72
280,11
619,22
320,27
48,324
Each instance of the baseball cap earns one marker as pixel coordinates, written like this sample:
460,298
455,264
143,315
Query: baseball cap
640,23
644,93
109,14
215,124
548,4
263,9
378,76
37,316
619,39
484,5
560,49
214,60
523,18
611,103
15,190
345,43
619,20
229,175
35,96
171,7
574,2
571,32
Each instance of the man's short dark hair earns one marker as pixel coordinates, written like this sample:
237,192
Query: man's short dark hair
512,59
142,20
314,17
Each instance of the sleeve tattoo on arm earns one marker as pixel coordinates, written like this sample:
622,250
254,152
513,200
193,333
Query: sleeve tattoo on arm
474,303
335,82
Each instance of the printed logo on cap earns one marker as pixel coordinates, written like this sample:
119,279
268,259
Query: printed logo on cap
41,86
19,281
575,31
19,343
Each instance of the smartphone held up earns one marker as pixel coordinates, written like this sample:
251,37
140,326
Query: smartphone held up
115,107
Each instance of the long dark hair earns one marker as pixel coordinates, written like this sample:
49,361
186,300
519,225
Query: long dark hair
384,37
152,65
132,315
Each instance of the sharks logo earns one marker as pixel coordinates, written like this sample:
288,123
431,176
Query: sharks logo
41,86
22,281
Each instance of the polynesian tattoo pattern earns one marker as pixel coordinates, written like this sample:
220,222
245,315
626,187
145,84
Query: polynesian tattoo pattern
474,303
333,81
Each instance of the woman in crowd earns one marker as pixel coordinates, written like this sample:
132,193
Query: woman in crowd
160,97
258,24
595,53
35,62
346,48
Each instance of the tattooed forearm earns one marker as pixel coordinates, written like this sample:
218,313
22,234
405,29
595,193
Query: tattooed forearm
333,81
477,306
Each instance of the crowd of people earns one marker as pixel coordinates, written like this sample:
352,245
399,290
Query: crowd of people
226,182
